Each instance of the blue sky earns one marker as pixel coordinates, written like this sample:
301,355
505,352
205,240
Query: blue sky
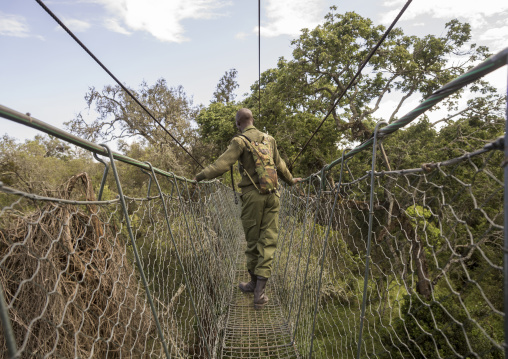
187,42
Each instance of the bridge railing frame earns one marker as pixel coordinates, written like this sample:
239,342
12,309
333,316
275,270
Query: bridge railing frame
145,167
491,64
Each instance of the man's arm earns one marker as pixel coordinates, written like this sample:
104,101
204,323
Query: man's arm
223,163
282,169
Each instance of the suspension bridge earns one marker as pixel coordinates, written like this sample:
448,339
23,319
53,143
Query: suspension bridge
371,261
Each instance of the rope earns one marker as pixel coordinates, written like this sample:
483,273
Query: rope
354,78
114,77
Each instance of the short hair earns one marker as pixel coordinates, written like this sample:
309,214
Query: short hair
243,115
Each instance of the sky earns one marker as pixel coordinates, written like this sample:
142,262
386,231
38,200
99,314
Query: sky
188,42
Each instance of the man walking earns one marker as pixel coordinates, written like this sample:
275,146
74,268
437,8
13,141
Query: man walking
260,210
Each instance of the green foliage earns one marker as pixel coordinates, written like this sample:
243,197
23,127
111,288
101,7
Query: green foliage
225,91
421,220
217,125
40,165
216,129
443,327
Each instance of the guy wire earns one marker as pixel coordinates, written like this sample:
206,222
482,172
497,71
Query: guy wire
354,78
113,77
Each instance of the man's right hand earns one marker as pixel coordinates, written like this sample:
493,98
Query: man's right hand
296,180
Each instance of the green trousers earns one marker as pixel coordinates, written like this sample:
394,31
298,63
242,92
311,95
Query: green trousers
260,220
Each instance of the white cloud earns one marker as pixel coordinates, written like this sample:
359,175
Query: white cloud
162,19
114,25
76,25
241,35
13,25
288,17
473,12
482,15
496,38
497,31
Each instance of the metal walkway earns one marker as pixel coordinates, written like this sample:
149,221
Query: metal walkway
251,333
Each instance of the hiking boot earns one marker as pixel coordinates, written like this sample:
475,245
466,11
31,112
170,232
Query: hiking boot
260,298
249,286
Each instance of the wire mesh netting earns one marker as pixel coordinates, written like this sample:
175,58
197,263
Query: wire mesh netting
251,333
72,286
405,263
434,287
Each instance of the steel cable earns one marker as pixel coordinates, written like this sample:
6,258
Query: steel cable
374,49
114,77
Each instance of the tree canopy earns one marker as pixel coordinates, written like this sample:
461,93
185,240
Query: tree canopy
299,92
120,118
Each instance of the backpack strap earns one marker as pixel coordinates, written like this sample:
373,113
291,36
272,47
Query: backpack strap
233,184
250,146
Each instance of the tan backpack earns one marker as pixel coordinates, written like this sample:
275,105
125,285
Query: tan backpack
265,165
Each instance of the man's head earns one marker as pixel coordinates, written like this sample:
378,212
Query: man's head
244,118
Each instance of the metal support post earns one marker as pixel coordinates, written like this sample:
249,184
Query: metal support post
10,341
505,259
369,237
323,256
178,258
135,249
149,182
104,175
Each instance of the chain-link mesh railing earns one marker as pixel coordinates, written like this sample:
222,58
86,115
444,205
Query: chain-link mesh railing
71,281
436,264
402,263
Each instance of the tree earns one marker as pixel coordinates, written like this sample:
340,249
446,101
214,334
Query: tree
41,164
326,58
217,125
224,92
119,117
217,121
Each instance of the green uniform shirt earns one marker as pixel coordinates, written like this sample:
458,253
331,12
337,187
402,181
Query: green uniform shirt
239,151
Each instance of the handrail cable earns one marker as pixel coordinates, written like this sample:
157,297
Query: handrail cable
491,64
374,49
39,125
114,77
